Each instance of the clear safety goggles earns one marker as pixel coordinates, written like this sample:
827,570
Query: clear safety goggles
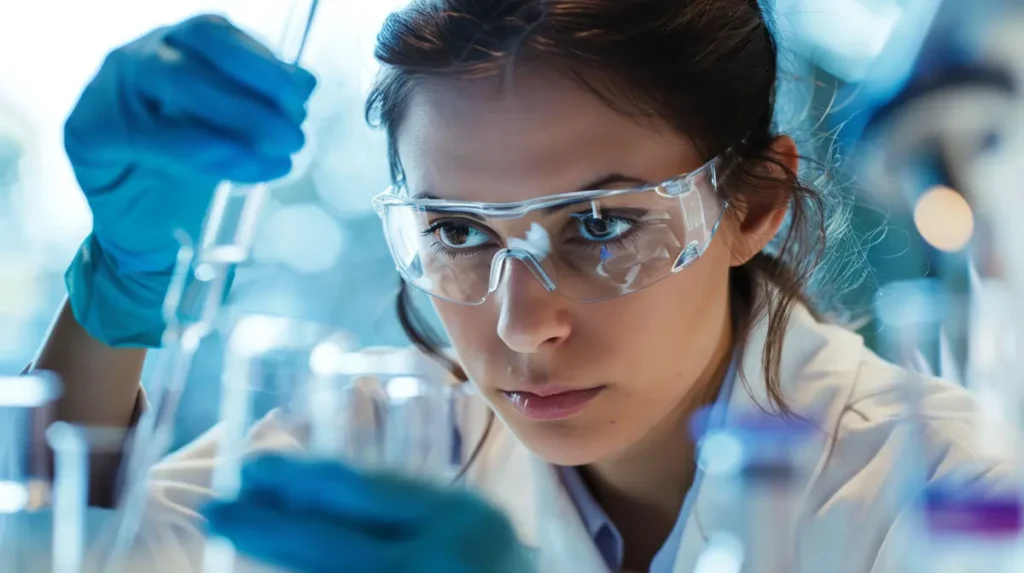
589,246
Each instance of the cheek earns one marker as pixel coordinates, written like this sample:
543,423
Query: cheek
472,330
668,337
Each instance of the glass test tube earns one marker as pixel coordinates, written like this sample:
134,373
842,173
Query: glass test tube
991,372
759,462
772,479
25,410
202,279
74,525
204,275
972,531
911,312
191,306
70,496
230,226
771,516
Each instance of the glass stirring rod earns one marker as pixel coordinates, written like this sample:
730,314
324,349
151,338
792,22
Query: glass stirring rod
201,280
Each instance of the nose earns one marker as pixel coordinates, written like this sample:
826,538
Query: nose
532,318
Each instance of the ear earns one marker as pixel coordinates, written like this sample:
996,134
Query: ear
757,222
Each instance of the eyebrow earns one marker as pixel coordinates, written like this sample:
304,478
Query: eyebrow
603,181
614,179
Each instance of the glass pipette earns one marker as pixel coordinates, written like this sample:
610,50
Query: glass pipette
201,280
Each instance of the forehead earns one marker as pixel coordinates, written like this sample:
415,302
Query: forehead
534,134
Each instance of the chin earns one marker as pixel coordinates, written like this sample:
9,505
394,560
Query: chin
562,457
559,443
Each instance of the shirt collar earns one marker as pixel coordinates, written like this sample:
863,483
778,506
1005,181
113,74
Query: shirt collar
599,526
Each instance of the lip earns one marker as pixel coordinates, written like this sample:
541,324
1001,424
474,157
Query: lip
551,402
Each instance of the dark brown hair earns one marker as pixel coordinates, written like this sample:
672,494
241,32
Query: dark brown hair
708,68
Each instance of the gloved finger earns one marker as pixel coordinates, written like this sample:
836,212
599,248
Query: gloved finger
239,56
303,543
185,88
374,499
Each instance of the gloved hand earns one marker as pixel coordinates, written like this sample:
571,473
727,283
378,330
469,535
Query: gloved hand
322,516
165,119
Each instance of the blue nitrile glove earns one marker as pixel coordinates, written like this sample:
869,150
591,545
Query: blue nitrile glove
323,516
165,119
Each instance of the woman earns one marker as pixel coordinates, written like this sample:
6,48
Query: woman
593,323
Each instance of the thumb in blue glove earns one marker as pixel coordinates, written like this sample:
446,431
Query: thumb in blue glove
323,516
165,119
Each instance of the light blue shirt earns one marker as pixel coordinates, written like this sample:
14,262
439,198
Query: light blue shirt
606,536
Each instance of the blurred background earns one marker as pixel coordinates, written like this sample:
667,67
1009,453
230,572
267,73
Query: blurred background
319,236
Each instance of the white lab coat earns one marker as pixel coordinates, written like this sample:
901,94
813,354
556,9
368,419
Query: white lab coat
853,512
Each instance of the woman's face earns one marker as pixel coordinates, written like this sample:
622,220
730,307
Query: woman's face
641,358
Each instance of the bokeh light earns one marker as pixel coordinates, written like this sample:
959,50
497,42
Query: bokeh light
304,237
944,219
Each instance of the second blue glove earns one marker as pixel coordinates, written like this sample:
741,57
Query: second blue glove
323,516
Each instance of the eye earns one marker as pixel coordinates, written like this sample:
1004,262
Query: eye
603,229
460,235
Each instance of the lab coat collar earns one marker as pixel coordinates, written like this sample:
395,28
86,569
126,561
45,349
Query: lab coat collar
818,364
564,542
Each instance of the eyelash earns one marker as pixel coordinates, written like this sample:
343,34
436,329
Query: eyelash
437,247
629,237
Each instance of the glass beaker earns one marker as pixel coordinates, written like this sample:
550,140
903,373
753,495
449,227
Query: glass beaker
383,408
378,408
